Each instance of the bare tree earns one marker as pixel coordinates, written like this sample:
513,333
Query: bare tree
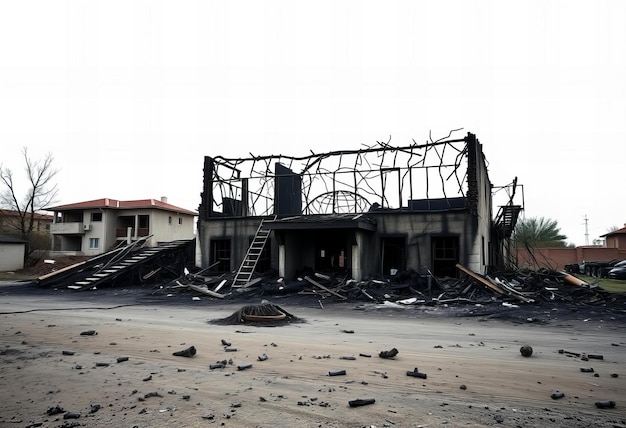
22,207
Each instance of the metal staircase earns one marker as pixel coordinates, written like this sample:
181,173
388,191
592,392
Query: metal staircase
248,265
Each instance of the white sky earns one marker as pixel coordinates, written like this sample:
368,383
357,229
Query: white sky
130,96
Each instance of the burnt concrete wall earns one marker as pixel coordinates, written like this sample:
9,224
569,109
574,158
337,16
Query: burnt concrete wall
419,230
363,253
480,251
237,230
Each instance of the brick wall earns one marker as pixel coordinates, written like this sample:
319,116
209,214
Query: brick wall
557,258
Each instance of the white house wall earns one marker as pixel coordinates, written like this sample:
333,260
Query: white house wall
159,227
164,231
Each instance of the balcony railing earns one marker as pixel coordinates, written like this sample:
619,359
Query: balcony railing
67,228
123,232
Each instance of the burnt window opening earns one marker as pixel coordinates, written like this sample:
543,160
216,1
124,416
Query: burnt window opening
220,255
445,251
96,216
393,254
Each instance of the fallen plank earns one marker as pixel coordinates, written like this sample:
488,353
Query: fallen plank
480,278
204,290
220,285
56,272
249,283
317,284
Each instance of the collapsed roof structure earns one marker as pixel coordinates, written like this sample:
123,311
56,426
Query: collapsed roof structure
372,211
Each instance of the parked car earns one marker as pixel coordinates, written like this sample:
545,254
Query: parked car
618,271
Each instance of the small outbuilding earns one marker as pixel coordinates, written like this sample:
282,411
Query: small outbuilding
11,253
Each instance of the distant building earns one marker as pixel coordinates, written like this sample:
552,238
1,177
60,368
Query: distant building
613,248
616,238
93,227
10,222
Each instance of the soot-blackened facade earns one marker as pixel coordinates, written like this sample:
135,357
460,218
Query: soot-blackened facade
359,213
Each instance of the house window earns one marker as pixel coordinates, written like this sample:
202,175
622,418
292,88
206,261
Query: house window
169,220
220,254
180,220
94,243
445,254
96,216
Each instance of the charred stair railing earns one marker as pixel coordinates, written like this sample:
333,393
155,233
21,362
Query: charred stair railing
248,265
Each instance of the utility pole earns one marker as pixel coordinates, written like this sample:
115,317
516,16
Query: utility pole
586,230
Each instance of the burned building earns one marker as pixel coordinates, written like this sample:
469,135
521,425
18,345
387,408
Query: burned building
369,212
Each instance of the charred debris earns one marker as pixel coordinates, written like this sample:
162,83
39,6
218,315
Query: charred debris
513,288
168,269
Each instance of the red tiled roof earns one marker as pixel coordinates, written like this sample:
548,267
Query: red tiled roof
122,205
13,213
621,231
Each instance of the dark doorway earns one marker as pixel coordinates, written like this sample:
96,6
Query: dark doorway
330,250
445,255
393,254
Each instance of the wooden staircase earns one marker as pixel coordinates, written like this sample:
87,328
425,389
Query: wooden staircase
248,265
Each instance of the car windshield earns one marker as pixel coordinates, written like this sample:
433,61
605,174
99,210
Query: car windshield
620,264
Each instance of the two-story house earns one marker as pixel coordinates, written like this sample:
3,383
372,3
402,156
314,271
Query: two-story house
93,227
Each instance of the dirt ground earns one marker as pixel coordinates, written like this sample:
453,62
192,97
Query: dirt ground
475,373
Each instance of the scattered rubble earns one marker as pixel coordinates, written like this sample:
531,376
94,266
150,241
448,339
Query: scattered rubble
388,354
361,402
526,351
189,352
416,373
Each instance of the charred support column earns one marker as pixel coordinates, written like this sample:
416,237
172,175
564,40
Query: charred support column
356,263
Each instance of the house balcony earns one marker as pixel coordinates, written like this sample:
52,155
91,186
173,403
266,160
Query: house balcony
72,228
